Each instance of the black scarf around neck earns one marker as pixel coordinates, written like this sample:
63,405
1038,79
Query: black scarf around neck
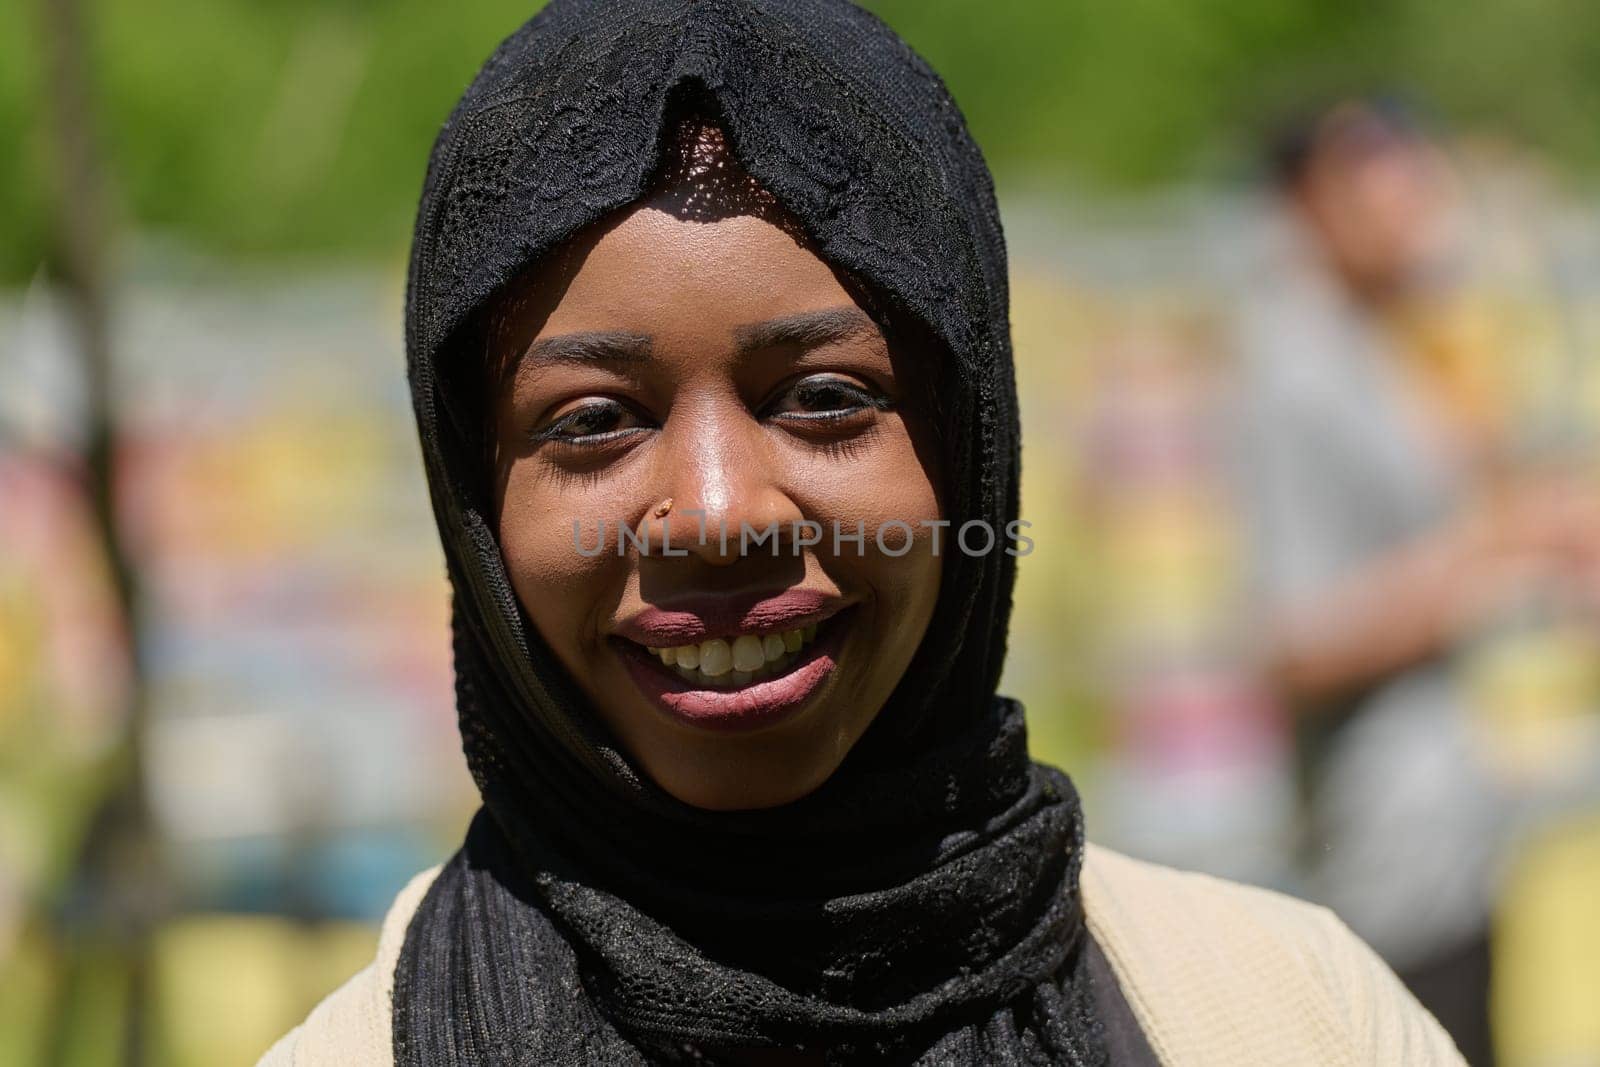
922,905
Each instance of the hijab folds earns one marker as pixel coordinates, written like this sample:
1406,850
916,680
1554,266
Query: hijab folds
921,906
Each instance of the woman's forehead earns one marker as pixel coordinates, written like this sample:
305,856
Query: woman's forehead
707,242
654,262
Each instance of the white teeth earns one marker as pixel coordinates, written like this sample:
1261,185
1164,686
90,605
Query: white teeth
722,663
747,654
715,657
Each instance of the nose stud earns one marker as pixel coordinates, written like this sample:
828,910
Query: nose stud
663,507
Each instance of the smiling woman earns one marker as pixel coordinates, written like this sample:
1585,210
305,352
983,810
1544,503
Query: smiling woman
685,265
695,345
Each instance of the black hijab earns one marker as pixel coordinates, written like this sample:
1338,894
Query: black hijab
922,905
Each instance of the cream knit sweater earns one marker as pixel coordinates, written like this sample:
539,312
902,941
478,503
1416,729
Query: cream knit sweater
1217,973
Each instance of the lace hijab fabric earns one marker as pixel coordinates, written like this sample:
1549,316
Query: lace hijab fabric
922,906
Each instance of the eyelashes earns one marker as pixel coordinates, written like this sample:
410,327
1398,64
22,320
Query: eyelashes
827,398
817,401
597,421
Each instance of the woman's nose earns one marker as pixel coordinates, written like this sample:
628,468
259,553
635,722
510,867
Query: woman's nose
725,492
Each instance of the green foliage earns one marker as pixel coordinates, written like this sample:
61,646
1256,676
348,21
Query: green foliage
22,183
299,127
287,127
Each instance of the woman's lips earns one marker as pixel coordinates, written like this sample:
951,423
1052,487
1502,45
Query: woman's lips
690,620
742,706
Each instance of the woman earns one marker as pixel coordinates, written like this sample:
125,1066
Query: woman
723,283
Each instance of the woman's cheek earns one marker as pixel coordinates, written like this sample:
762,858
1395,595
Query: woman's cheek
907,512
888,491
887,514
559,547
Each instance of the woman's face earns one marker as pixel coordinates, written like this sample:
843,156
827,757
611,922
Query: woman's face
677,375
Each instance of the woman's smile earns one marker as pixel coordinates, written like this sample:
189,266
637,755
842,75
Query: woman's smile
735,663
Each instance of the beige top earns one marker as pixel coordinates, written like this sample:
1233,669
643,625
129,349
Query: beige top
1216,973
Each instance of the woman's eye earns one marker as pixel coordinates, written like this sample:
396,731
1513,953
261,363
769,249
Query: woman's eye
824,397
593,422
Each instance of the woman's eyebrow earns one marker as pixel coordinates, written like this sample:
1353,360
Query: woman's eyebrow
590,346
807,329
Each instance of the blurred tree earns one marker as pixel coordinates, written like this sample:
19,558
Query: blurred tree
116,891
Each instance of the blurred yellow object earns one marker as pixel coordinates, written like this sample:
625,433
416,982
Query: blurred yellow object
1169,565
1547,950
230,985
21,647
1489,361
276,484
1535,694
1046,664
226,987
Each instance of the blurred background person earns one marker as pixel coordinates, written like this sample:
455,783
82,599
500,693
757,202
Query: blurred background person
1398,531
